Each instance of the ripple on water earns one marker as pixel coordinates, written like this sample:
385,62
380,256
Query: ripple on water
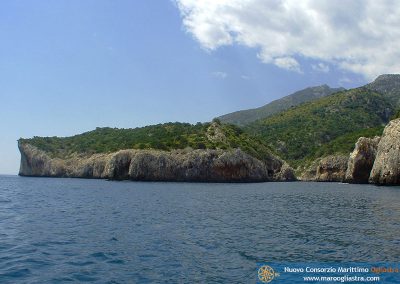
99,256
80,263
116,261
15,273
71,230
85,277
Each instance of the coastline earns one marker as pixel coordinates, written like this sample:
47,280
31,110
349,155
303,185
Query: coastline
373,160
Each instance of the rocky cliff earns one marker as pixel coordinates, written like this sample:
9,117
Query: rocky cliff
386,168
361,160
373,160
156,165
331,168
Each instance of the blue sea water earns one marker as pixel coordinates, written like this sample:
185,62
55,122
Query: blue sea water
76,230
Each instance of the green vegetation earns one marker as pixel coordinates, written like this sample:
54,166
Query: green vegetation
389,86
396,114
245,117
300,128
329,125
344,144
166,136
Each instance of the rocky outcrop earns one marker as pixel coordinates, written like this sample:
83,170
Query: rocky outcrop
35,162
155,165
386,168
286,173
308,173
331,168
361,160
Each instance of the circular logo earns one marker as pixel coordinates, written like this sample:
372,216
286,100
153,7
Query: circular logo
266,274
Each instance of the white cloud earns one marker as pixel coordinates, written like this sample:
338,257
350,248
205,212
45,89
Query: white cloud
320,67
361,36
288,63
220,74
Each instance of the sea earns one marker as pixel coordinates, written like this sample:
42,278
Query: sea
58,230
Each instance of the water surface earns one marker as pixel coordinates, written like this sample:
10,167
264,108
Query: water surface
61,230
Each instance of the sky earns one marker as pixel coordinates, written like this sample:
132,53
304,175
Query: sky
69,66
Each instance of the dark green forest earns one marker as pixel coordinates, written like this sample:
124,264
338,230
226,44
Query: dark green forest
325,126
166,136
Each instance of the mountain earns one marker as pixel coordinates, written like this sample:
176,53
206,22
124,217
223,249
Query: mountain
325,126
389,86
164,152
245,117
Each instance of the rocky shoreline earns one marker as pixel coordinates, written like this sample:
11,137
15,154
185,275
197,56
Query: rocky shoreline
373,160
156,165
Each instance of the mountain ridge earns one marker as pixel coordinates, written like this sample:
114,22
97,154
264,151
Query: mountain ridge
388,85
244,117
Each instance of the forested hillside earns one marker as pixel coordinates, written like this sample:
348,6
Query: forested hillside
166,136
244,117
329,125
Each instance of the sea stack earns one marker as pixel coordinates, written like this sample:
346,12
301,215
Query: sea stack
386,168
361,160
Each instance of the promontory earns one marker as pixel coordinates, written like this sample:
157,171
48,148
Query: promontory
316,134
209,152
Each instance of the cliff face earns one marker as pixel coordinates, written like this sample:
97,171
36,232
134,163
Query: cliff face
374,160
331,169
156,165
386,168
361,160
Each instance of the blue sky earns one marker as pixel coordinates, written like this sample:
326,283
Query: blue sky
70,66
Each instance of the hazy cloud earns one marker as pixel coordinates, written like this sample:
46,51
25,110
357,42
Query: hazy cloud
321,67
344,80
220,74
361,36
